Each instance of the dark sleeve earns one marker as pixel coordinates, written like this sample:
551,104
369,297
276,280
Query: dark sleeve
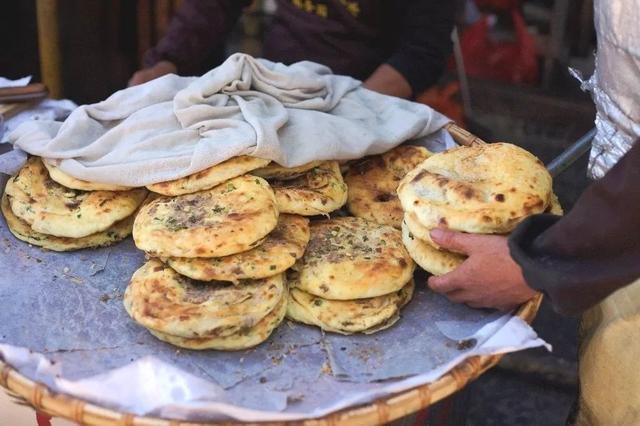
425,42
197,28
581,258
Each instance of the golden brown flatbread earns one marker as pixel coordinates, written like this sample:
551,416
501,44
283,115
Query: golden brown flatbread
348,316
487,188
433,260
318,192
275,171
279,251
244,339
160,299
351,258
228,219
373,182
50,208
208,178
22,231
69,181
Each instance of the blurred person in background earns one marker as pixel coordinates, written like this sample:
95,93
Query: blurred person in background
397,48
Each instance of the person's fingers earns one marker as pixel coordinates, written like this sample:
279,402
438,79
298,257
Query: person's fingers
505,305
467,297
476,304
459,242
446,283
515,301
458,296
506,308
137,78
148,74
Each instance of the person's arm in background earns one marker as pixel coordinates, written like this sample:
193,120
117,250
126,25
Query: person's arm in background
423,48
577,260
198,27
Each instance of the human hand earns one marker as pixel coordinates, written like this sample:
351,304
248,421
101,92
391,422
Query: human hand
488,278
151,73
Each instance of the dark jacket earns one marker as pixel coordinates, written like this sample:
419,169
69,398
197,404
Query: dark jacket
581,258
352,37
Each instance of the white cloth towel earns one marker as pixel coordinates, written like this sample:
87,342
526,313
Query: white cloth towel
175,126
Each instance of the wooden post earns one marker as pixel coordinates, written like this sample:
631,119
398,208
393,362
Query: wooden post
49,46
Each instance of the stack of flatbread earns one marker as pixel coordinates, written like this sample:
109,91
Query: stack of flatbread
355,276
373,182
45,207
315,188
485,189
231,251
220,244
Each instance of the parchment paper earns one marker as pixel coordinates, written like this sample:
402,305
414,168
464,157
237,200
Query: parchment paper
66,308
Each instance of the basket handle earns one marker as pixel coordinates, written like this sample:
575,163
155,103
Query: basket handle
462,136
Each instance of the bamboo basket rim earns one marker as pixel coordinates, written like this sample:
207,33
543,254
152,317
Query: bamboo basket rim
381,411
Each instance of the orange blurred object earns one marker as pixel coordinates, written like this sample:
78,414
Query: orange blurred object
445,99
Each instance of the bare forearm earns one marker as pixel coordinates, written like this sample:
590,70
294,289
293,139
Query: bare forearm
385,79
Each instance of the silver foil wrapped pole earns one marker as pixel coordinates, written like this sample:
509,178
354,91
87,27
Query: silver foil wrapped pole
615,84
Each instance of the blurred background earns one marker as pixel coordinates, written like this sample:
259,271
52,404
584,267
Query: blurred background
508,80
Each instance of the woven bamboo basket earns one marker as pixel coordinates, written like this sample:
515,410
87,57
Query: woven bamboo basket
382,411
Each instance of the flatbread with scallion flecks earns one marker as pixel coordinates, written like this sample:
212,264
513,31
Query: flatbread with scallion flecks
22,231
348,316
277,253
319,191
244,339
351,258
373,182
228,219
53,209
210,177
160,299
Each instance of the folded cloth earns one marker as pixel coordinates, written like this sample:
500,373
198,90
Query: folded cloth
176,126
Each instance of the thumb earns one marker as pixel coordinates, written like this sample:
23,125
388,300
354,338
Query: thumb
445,283
459,242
